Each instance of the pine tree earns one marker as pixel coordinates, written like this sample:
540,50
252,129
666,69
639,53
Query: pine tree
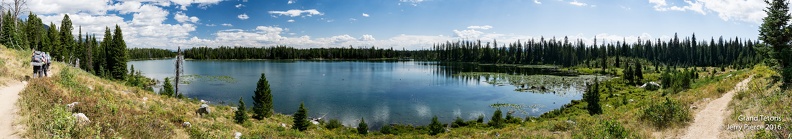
55,47
774,32
262,99
362,127
168,88
67,39
435,127
497,119
240,116
301,119
592,98
118,55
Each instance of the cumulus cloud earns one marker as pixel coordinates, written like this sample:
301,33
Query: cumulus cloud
484,27
365,15
367,38
182,18
210,25
243,16
297,12
412,2
290,21
729,10
227,25
537,2
94,7
291,2
239,6
576,3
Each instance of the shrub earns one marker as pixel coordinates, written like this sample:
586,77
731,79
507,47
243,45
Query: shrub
480,119
333,124
511,119
497,120
667,113
167,88
614,129
362,127
387,129
458,123
435,127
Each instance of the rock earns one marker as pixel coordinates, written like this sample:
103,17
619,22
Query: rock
234,108
571,122
315,122
204,101
145,99
283,125
204,109
186,124
237,135
651,86
72,105
693,107
81,118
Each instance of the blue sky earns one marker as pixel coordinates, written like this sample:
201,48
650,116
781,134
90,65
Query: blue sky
410,24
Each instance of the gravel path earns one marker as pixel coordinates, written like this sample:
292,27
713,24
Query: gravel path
709,122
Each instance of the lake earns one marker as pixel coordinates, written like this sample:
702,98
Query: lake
382,92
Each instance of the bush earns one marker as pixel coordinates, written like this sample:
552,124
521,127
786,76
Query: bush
592,97
362,127
667,113
458,123
497,120
435,127
333,124
387,129
614,129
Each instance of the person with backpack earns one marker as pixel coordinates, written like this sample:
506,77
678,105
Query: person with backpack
48,61
37,61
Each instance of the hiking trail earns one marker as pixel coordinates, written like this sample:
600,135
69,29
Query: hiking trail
708,123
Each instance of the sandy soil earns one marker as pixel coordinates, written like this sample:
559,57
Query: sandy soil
8,97
708,123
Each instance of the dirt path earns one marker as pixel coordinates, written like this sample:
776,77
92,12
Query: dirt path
8,98
709,122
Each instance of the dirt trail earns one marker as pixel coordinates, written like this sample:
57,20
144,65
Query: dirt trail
709,122
8,98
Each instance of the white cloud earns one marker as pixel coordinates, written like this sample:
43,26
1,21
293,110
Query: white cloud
296,12
367,38
365,15
290,21
576,3
210,25
181,18
412,2
739,10
485,27
537,2
183,4
243,16
291,2
468,34
239,6
68,6
227,25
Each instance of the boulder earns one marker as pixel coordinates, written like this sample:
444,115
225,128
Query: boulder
81,118
204,109
186,124
651,86
71,106
237,135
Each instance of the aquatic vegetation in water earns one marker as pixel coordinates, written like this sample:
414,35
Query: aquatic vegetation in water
534,83
187,79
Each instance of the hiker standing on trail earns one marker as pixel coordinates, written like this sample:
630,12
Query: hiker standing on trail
48,60
38,62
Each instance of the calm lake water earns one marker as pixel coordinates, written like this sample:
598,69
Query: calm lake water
405,92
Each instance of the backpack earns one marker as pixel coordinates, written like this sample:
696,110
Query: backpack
37,59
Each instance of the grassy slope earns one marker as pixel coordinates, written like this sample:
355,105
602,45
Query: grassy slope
117,110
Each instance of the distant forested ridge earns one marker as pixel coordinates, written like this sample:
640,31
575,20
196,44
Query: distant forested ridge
149,53
689,51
